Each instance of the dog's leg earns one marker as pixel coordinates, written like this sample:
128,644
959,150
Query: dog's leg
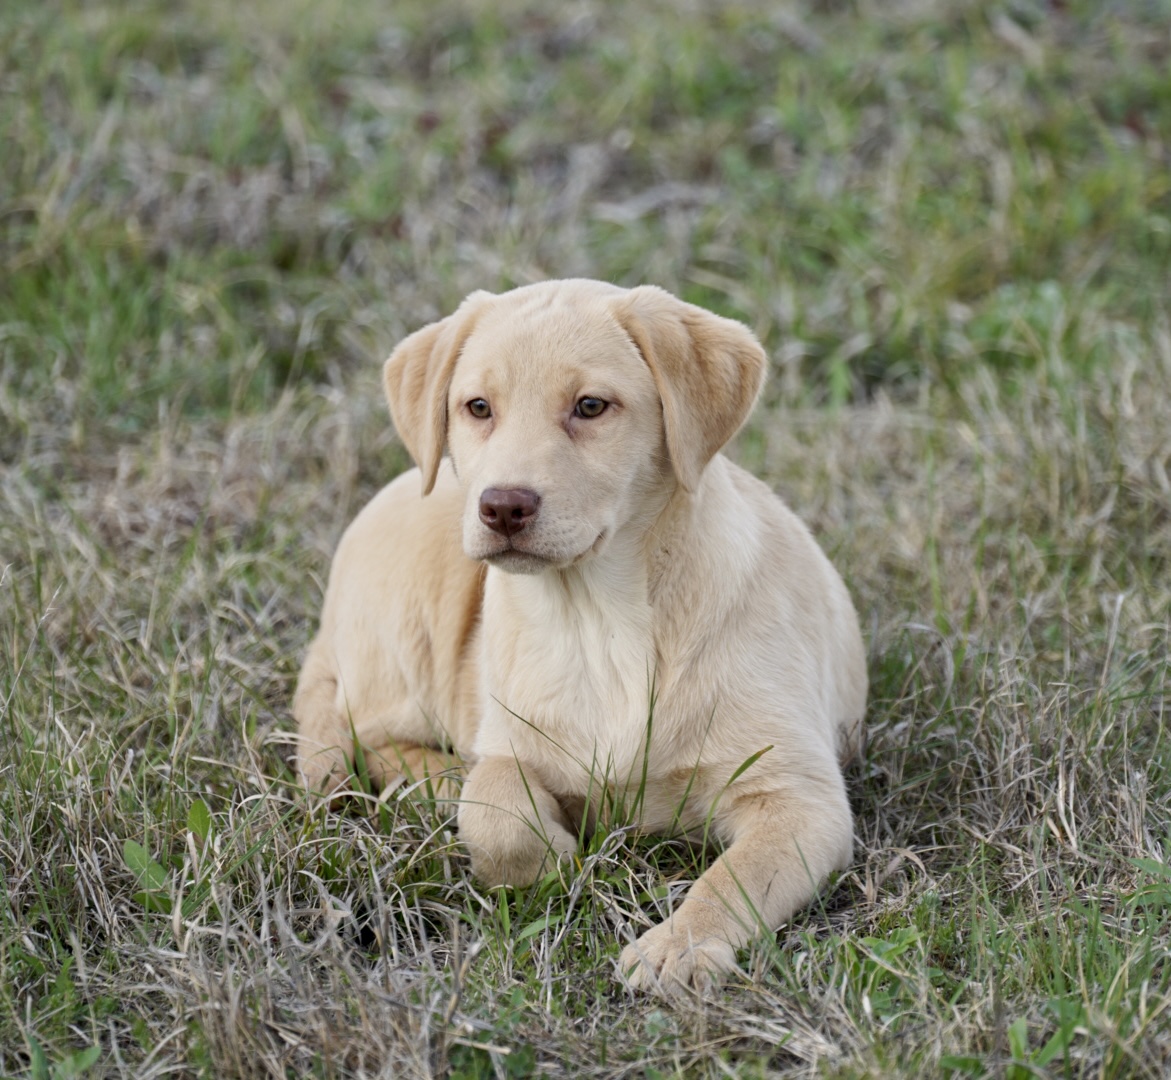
384,762
512,826
783,847
326,734
323,741
437,772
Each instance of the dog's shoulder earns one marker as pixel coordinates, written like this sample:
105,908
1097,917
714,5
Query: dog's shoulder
402,556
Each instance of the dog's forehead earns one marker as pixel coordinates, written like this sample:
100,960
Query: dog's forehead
530,340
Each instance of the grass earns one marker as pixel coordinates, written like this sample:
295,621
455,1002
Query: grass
951,226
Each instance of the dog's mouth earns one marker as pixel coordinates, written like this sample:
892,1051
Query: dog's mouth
515,559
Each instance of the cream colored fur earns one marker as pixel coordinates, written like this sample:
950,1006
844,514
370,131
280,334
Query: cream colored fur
654,566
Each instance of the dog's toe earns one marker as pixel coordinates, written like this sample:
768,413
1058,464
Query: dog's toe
670,960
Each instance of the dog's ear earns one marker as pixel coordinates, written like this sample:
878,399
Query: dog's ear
708,371
416,379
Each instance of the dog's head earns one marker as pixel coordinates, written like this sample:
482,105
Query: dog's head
566,407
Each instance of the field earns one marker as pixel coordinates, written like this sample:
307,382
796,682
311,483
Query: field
949,223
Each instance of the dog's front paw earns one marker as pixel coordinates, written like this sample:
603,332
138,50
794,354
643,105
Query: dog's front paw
518,856
673,958
513,828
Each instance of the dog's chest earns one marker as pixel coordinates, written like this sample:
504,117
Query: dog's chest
568,686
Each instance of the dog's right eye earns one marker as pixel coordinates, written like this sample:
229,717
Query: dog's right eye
479,408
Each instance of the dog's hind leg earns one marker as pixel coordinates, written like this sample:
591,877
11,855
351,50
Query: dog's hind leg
336,749
430,771
323,742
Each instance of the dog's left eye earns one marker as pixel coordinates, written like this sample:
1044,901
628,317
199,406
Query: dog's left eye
589,407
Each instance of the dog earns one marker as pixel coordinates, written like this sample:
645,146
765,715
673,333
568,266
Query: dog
586,601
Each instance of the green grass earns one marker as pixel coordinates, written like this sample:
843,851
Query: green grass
951,226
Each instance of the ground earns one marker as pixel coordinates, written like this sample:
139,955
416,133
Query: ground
949,223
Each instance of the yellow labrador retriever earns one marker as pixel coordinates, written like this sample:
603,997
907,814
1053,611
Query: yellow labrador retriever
588,603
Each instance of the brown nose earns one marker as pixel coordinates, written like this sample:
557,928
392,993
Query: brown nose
508,510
